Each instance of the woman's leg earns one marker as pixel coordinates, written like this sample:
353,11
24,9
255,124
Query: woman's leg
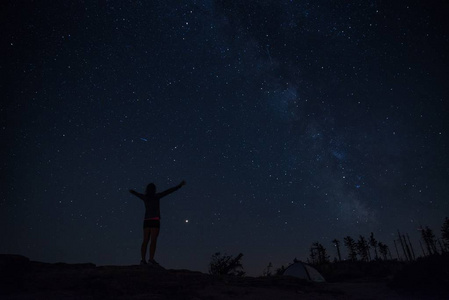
154,234
146,239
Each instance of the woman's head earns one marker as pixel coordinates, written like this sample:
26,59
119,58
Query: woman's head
151,189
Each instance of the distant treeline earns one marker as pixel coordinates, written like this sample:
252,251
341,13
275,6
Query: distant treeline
368,249
360,250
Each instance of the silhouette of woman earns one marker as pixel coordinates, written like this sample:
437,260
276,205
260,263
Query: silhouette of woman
151,223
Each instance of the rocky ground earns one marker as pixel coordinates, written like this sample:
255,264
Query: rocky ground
24,279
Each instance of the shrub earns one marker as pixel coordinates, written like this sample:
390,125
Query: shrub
226,265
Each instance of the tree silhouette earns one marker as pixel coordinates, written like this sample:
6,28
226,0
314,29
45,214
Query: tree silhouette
267,270
373,243
422,249
337,244
401,242
445,234
383,250
411,247
442,248
363,248
352,248
322,254
226,265
429,240
313,255
280,271
318,254
405,247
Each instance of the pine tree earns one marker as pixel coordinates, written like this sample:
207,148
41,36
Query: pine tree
318,254
322,254
383,250
429,239
352,247
373,243
363,248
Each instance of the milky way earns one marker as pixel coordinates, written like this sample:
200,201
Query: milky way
291,121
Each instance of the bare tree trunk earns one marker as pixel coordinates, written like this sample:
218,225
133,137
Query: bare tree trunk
402,245
338,252
397,252
413,252
409,254
422,249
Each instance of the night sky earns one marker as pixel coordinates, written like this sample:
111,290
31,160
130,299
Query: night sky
292,122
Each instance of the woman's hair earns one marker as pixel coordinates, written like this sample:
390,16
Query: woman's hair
151,189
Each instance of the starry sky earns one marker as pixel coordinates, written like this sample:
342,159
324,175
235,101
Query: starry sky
292,122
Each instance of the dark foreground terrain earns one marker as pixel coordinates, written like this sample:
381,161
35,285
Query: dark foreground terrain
25,279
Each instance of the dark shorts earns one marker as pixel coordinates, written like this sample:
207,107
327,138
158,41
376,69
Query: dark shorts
151,224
